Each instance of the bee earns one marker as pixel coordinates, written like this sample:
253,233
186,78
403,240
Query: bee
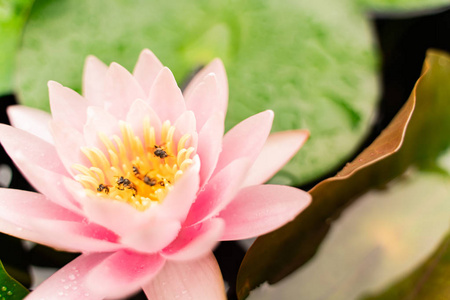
125,183
102,187
149,181
160,152
136,171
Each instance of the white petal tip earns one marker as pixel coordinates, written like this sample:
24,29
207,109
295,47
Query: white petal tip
52,84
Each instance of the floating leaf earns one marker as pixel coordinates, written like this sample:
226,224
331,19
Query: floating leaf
315,69
417,135
376,240
13,14
10,289
429,281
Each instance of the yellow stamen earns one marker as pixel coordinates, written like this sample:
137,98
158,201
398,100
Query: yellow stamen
130,171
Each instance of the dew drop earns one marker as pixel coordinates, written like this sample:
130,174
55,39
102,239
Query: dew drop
72,277
63,280
4,288
19,228
9,293
86,294
74,288
60,294
66,287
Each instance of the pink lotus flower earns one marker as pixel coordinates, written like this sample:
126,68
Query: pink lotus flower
139,178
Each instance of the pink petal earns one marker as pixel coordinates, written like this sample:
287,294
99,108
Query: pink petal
259,209
99,120
68,143
94,80
147,68
77,236
195,241
138,112
123,273
121,90
203,101
50,184
185,124
216,67
67,105
210,145
246,139
31,120
197,279
279,148
154,236
109,213
178,201
148,231
19,206
219,191
166,98
24,146
69,283
32,217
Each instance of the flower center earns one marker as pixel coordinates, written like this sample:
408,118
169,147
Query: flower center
137,172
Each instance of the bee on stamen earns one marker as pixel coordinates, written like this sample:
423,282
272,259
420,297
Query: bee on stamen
125,183
160,152
136,171
149,181
102,187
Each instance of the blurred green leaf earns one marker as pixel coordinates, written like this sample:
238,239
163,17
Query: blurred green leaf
417,136
10,289
429,281
400,4
15,259
315,68
13,14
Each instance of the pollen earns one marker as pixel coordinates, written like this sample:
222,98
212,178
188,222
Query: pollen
138,170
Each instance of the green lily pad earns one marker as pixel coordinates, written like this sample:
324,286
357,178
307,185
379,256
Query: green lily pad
418,136
315,68
13,14
10,289
400,4
426,282
381,237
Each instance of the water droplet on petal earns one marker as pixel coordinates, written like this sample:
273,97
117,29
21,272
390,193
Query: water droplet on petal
72,277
